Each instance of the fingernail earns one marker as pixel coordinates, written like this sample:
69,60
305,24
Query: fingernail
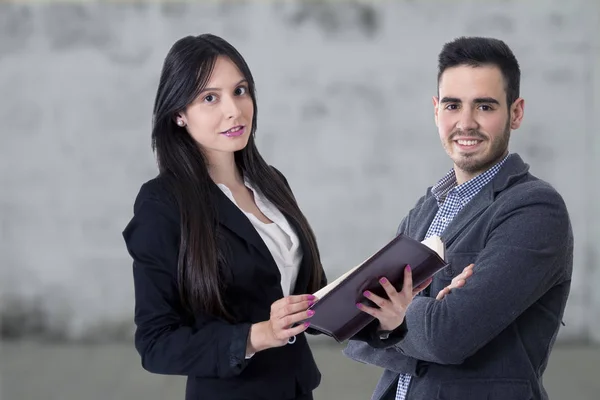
408,268
311,303
383,280
310,313
311,297
367,293
306,324
358,305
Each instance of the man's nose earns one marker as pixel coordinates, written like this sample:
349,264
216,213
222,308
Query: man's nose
467,121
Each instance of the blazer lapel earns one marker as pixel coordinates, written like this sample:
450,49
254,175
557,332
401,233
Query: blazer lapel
513,169
236,221
423,219
476,206
305,264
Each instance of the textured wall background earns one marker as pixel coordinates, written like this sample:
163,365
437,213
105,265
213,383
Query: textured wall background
344,91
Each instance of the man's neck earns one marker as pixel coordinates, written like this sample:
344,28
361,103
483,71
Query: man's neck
463,176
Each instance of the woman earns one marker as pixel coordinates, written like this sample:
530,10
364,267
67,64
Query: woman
224,260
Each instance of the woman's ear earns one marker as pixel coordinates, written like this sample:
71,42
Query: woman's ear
180,119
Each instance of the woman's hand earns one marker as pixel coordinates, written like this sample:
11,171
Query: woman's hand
392,310
278,329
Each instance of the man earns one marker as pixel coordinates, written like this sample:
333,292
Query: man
490,338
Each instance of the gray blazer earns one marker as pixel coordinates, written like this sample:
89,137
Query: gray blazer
490,339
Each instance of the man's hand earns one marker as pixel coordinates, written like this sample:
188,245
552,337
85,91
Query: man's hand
458,281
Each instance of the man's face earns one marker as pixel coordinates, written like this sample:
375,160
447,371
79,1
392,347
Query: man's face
473,119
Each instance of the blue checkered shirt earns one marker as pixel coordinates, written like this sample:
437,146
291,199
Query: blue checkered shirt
451,199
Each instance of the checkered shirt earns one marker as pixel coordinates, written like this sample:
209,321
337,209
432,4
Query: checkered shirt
451,199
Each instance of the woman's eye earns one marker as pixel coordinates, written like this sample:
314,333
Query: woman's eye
241,91
210,98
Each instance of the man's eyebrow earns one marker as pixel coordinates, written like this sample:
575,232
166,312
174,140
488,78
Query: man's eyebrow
219,89
450,100
491,100
478,100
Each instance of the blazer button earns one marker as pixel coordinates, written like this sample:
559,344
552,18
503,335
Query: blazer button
448,271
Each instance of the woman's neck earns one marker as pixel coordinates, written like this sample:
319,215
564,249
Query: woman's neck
223,169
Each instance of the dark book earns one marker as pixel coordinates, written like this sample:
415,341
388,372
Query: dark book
336,314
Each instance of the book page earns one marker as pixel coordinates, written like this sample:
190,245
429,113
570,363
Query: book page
433,242
324,290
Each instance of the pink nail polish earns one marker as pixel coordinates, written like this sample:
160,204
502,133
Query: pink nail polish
311,297
311,303
358,305
367,293
408,268
310,313
383,280
306,324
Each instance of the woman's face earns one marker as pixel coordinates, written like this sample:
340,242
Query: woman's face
220,119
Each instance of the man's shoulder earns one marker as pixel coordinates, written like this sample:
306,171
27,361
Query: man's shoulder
414,214
530,189
422,200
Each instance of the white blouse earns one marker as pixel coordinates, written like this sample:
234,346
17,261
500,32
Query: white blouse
279,237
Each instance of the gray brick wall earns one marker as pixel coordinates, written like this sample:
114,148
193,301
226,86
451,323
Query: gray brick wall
344,111
592,311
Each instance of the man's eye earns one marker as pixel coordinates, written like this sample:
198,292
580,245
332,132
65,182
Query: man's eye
451,107
485,107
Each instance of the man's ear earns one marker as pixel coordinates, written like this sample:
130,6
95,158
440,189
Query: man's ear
517,111
436,102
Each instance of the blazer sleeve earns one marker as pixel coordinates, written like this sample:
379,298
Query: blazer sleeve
526,253
167,342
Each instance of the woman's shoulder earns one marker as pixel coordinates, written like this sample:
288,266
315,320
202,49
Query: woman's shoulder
154,210
155,189
158,193
280,174
277,171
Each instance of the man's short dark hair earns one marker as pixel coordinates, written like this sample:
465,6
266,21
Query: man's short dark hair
481,51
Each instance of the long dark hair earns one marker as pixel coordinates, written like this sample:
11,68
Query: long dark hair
186,71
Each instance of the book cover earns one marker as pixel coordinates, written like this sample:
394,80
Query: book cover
336,314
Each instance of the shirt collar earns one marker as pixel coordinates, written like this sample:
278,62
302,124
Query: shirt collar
467,189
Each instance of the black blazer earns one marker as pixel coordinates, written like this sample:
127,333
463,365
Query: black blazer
208,350
211,351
